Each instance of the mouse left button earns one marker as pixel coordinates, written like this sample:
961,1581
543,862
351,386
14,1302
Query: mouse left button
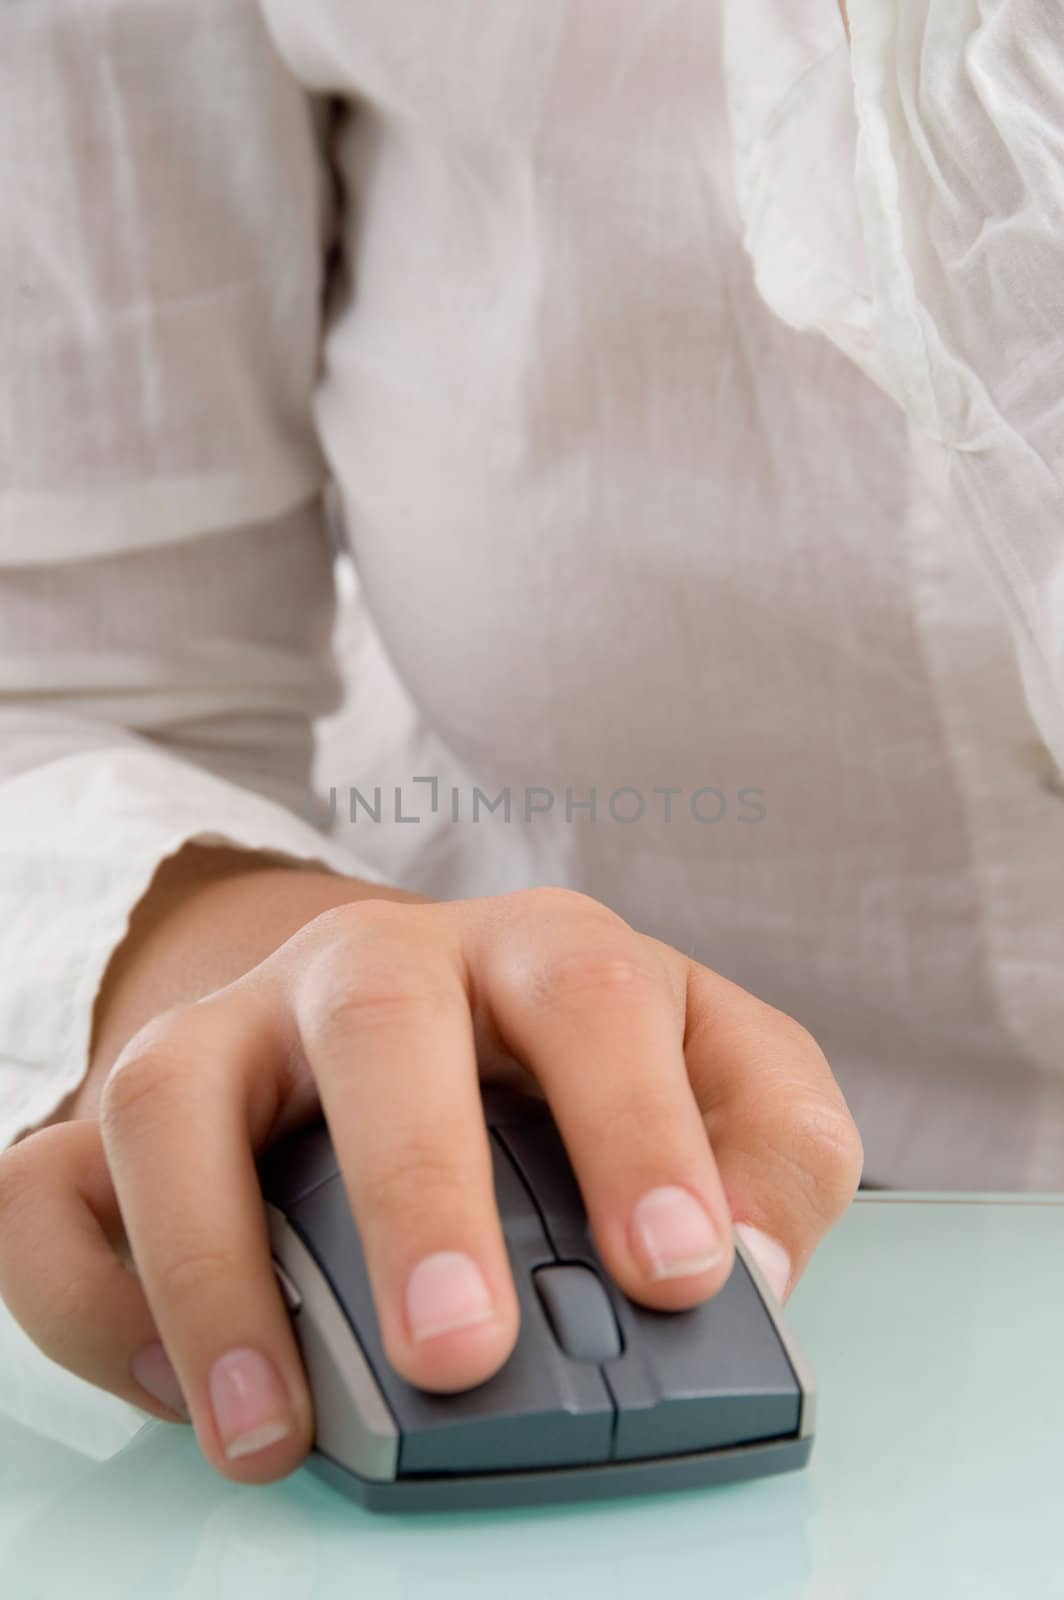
353,1424
540,1409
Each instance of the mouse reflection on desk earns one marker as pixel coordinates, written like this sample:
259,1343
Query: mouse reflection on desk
599,1397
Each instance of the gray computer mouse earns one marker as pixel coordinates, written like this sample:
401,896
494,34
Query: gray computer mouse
600,1396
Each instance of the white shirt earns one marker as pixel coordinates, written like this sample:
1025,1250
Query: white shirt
689,390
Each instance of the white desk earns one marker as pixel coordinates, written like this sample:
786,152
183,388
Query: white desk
936,1328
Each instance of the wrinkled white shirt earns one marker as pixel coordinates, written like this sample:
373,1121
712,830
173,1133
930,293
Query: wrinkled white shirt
689,390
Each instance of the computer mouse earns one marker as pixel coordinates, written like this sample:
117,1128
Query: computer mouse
599,1397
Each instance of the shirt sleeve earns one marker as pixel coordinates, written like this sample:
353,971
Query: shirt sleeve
152,699
166,593
166,210
905,198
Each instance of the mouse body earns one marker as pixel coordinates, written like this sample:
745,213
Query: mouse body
599,1397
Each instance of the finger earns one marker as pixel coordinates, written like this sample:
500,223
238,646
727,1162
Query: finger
788,1151
61,1277
384,1018
185,1106
598,1016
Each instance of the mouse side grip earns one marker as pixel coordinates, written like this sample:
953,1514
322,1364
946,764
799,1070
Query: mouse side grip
352,1421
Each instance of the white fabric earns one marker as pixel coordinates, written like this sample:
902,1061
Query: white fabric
690,391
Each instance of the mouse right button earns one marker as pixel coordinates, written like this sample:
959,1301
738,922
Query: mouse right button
709,1378
697,1380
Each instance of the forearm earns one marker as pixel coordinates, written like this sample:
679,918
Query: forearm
210,915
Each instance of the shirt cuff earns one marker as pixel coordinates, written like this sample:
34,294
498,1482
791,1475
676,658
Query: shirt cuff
80,840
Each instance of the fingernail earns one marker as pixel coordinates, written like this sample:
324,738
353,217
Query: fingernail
446,1291
251,1406
675,1234
152,1370
770,1257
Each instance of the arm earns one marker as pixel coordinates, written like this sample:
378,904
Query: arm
166,585
149,755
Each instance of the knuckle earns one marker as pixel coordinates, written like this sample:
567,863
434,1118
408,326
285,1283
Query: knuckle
369,999
361,921
69,1310
57,1307
372,968
143,1072
39,1160
17,1168
787,1032
554,904
407,1185
190,1273
560,943
637,1127
826,1145
609,971
554,897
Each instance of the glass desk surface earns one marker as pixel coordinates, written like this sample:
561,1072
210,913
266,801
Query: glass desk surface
935,1326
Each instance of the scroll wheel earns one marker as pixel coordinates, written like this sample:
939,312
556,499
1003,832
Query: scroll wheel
579,1312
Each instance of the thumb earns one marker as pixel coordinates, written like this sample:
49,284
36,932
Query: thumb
60,1273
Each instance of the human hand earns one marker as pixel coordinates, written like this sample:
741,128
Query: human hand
685,1103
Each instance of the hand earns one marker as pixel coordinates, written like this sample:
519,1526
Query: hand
685,1103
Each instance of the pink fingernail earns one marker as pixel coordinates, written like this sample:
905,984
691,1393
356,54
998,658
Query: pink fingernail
251,1406
769,1256
152,1370
675,1234
446,1291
